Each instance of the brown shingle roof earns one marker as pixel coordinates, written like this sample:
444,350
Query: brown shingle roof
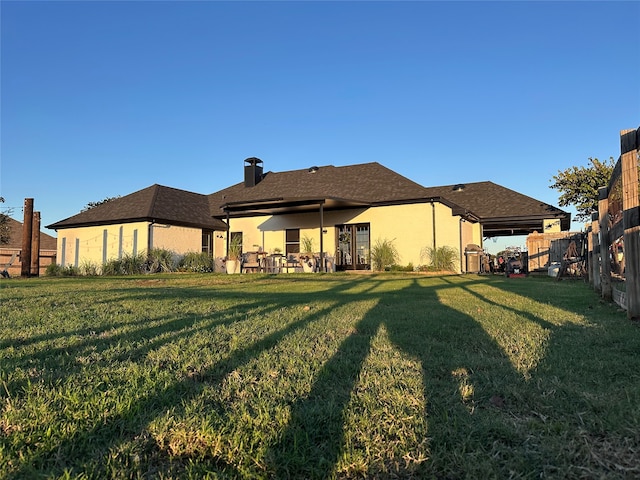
490,202
367,183
47,242
155,203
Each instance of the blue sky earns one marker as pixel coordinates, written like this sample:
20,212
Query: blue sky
101,99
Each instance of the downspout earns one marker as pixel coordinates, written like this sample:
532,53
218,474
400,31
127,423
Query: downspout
150,236
433,220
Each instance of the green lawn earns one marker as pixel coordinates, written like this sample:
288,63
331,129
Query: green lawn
316,376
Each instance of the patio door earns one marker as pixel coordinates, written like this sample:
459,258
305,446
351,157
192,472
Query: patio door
353,244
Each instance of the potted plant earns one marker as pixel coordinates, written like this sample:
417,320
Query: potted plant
234,255
306,256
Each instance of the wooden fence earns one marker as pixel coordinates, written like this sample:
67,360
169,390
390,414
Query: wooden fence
44,259
548,248
614,246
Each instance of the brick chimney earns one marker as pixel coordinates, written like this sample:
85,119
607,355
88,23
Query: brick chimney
252,171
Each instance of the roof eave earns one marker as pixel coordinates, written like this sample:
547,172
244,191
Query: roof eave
219,225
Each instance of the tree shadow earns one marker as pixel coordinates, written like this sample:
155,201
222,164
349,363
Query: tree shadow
470,386
78,452
453,351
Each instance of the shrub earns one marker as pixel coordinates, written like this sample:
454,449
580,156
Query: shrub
113,267
306,245
200,262
384,254
440,259
89,269
400,268
161,260
127,265
234,250
55,270
133,264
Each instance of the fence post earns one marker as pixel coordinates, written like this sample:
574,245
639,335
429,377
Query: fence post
27,232
594,253
605,264
35,245
631,219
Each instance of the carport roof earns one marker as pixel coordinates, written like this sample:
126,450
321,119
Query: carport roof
502,211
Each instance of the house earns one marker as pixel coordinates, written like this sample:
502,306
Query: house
155,217
47,250
343,210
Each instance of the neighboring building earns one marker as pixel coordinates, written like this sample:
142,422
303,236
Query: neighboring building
47,254
344,210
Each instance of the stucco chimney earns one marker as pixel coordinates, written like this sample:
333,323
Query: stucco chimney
252,171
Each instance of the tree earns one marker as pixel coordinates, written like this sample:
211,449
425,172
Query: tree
5,233
91,205
578,186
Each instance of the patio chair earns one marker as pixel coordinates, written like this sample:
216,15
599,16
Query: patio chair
4,272
291,263
250,262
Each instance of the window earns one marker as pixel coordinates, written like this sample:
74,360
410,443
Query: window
207,241
292,241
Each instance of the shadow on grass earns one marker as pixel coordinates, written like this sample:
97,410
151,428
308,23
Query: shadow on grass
451,348
79,452
470,386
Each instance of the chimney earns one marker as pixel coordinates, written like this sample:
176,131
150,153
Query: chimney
252,171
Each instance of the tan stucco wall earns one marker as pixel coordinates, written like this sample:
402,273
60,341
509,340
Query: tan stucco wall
177,239
551,225
85,244
89,241
409,226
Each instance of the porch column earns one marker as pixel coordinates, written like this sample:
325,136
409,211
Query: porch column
323,266
228,233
